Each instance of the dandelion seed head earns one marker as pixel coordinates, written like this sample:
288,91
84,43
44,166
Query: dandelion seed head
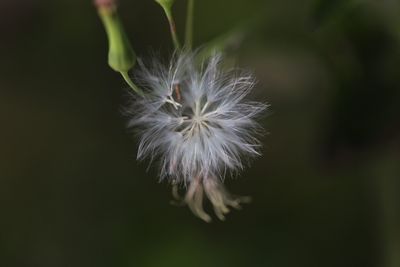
197,123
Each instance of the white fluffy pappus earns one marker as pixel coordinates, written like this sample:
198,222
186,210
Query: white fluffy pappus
195,120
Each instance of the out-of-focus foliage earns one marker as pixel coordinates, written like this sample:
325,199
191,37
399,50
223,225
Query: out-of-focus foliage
326,10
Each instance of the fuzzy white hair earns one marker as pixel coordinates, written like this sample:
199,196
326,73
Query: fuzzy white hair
195,120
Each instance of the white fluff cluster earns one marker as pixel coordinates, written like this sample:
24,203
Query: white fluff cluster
195,121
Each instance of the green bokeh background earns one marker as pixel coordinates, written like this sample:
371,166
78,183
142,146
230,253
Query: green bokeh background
326,190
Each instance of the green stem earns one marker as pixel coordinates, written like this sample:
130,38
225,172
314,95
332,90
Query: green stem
131,84
172,27
189,25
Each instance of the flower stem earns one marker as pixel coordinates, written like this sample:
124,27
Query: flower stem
172,27
189,25
131,84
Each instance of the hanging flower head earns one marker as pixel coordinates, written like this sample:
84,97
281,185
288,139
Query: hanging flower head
194,119
190,116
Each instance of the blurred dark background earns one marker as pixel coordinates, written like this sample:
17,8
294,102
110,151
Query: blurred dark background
326,190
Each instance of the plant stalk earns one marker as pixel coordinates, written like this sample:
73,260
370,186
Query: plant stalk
189,25
129,81
172,27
